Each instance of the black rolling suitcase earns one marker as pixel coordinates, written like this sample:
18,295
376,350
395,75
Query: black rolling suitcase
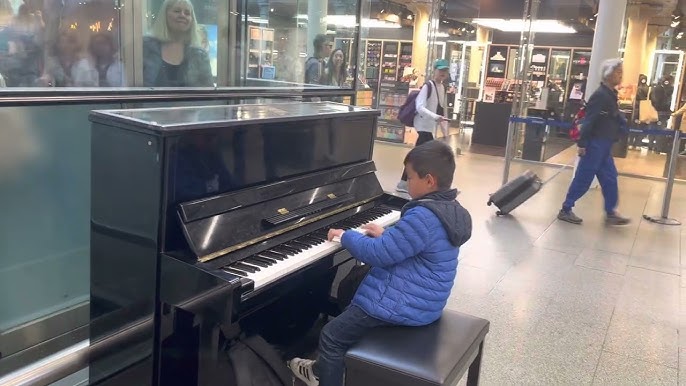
517,191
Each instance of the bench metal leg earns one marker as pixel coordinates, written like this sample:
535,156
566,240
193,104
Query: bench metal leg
475,368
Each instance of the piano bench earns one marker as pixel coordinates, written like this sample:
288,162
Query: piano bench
433,355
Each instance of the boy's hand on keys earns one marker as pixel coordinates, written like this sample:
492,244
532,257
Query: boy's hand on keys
335,235
373,230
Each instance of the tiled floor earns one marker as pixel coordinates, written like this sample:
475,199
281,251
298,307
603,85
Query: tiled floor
570,305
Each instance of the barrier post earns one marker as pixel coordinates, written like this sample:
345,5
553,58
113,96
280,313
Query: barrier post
664,219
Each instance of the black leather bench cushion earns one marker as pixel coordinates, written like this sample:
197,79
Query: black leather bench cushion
437,354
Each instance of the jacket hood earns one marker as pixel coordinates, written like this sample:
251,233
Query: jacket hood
455,219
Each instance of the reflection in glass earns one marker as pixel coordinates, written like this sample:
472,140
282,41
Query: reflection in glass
291,42
173,53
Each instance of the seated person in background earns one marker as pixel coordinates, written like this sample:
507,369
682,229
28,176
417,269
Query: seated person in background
67,65
104,51
173,55
414,264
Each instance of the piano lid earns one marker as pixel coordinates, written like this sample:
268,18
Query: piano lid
173,119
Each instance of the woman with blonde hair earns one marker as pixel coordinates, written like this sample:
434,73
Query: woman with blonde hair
173,55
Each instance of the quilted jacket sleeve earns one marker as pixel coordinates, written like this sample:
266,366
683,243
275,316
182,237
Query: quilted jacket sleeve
405,239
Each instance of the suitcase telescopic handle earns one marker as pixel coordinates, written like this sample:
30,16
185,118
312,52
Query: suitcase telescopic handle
558,172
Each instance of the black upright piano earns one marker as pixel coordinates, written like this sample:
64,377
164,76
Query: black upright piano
211,222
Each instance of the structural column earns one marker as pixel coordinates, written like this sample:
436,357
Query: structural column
317,11
420,38
649,52
606,40
636,39
476,58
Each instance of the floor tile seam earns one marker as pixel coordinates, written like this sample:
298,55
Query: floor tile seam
643,360
554,220
602,347
600,270
654,270
640,223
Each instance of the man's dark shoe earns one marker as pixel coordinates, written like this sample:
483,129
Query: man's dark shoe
569,216
617,219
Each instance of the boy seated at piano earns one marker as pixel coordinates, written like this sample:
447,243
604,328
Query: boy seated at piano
413,264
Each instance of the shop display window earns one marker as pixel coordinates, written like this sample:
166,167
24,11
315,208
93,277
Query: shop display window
176,44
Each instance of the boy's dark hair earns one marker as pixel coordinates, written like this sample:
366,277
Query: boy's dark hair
319,42
435,158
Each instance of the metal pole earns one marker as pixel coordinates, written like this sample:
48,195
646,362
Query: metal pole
518,102
671,172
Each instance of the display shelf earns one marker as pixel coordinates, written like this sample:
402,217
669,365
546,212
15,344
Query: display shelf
389,61
405,59
261,53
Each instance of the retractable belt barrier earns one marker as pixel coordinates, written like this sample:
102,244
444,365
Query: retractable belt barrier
651,130
663,218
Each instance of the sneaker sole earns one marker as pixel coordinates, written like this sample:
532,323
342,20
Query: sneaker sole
617,224
570,221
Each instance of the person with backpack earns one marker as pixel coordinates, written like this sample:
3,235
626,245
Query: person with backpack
429,111
661,98
602,125
315,65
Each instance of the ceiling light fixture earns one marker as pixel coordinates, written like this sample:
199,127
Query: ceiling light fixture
350,20
518,25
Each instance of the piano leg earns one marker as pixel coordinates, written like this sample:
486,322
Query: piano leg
194,352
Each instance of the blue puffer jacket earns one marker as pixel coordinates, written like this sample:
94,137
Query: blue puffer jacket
414,263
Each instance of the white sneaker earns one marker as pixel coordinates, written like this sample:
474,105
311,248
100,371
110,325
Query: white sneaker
302,369
401,187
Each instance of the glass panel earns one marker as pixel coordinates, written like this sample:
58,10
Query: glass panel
61,44
44,233
299,42
178,39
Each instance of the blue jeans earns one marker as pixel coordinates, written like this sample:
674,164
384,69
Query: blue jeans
597,162
336,338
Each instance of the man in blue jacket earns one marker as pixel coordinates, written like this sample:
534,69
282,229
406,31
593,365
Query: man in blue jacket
600,130
414,264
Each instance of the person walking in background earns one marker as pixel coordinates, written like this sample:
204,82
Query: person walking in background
315,65
336,73
600,130
430,105
661,98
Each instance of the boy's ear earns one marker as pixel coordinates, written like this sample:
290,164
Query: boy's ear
431,180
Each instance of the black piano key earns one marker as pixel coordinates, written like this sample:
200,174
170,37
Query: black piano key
245,267
303,241
254,261
273,255
235,272
290,246
284,250
312,239
298,244
265,259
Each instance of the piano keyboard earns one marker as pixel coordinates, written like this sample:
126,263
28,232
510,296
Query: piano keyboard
277,262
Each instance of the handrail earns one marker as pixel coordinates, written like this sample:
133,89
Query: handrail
74,358
52,96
